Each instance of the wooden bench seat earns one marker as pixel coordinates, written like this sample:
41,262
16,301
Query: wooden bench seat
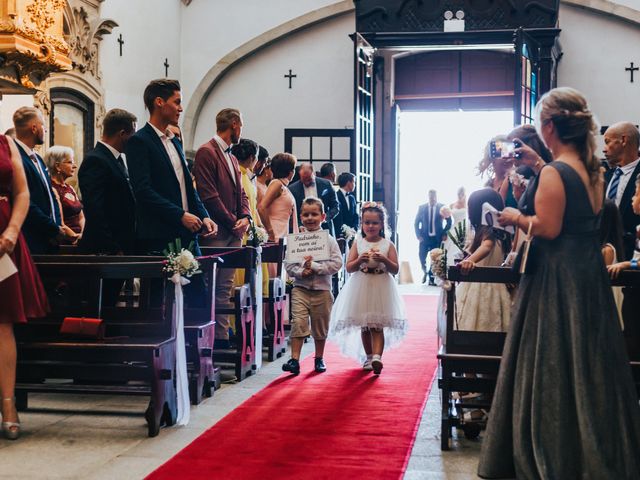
275,302
242,357
470,360
137,357
199,322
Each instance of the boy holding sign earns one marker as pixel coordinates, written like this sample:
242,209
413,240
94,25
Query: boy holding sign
311,298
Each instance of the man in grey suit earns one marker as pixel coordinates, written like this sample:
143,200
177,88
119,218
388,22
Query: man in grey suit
430,230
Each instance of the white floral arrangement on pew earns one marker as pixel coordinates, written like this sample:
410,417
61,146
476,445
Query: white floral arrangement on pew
348,232
181,260
438,257
256,235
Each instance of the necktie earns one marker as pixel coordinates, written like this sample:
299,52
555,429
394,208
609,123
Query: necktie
432,221
615,181
45,181
123,168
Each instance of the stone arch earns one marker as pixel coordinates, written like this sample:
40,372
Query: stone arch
233,58
609,8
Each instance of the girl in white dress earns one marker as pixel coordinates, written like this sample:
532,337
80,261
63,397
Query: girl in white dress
484,306
369,313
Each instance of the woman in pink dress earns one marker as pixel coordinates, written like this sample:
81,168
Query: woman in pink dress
21,294
277,208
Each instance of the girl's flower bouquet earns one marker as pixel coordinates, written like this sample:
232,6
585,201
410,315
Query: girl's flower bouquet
348,232
438,257
256,235
181,260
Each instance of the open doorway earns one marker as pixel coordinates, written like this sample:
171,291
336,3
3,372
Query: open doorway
440,151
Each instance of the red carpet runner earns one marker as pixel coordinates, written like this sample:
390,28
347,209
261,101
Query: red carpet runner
342,424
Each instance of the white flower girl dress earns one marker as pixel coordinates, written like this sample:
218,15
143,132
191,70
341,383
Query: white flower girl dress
368,300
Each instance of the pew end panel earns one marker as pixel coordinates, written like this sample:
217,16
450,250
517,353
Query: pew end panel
275,302
244,301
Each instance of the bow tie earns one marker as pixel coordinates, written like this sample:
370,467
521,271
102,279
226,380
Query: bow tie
227,150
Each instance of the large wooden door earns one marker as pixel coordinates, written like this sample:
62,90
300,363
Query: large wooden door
364,118
527,83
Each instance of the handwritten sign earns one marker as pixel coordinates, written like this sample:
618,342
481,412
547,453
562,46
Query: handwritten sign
300,245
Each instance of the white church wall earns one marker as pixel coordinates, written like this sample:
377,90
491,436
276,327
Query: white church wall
151,30
597,49
321,96
635,4
213,28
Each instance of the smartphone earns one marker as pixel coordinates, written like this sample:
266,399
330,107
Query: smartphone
502,149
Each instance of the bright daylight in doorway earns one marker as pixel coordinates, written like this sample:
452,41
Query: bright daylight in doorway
440,151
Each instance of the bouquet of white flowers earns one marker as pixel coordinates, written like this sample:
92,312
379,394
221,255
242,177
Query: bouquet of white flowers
348,232
181,260
256,235
438,258
516,179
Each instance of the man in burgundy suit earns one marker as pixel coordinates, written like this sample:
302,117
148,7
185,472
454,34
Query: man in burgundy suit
219,185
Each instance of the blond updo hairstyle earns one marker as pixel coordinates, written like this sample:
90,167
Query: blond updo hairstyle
574,124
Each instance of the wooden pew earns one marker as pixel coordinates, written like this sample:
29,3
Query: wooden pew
466,354
199,321
275,302
244,302
342,274
137,357
472,353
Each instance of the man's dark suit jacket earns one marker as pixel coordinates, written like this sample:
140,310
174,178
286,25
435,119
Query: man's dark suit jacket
629,219
225,199
109,204
348,213
157,191
422,222
326,193
40,228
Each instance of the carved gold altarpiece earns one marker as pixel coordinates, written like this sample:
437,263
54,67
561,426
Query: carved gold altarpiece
32,43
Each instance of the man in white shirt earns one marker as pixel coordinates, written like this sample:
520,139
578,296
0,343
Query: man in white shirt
311,186
167,205
430,231
220,186
621,143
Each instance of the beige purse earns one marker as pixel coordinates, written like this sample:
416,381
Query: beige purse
522,263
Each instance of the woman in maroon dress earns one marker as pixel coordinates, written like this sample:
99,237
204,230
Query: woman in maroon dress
62,166
21,294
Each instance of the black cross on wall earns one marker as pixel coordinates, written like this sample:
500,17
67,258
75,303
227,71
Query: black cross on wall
631,70
121,42
166,67
290,76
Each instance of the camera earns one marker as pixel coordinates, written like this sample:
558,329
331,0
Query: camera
502,149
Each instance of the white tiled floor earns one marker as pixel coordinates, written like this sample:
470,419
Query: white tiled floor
104,437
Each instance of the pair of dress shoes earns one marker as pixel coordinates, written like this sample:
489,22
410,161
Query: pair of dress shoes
293,366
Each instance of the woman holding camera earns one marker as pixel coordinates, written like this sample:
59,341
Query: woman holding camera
564,362
496,164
